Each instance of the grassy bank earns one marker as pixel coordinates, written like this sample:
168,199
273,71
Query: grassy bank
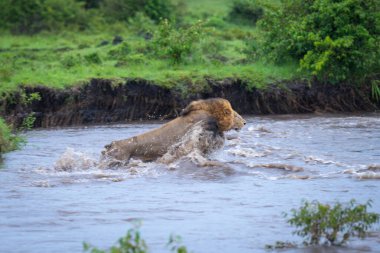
70,58
66,58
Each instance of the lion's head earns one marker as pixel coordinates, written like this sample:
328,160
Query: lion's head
220,109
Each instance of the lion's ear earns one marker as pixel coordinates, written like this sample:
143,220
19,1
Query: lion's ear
187,110
227,111
191,107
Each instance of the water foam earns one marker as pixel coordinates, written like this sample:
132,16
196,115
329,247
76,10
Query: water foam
195,145
72,160
248,152
370,172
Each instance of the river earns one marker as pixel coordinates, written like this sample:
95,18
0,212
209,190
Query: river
54,197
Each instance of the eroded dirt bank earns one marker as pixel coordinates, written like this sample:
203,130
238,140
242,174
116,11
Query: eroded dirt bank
105,101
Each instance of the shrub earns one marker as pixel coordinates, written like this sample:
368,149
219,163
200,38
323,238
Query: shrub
375,90
174,43
93,58
120,51
8,141
120,10
70,60
335,40
33,16
92,3
159,9
130,243
141,24
246,11
322,223
123,10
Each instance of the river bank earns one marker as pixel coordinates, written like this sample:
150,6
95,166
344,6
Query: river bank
107,101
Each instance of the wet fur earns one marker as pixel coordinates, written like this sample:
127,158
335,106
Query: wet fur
215,116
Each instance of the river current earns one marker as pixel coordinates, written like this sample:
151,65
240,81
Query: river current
53,196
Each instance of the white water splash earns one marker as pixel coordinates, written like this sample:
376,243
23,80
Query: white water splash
248,152
72,160
196,145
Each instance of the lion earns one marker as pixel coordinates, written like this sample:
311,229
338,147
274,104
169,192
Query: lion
212,117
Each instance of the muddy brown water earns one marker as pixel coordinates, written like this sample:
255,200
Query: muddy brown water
53,196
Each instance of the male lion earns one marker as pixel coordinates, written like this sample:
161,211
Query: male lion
210,117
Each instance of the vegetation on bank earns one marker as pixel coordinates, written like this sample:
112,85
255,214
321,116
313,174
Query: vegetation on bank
65,42
181,49
61,43
8,140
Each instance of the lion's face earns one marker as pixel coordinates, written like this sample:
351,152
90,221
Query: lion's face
239,122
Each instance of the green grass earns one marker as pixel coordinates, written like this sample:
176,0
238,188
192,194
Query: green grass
62,60
40,60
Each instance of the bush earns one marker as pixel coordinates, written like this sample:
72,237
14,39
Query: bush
93,58
8,141
33,16
123,10
89,4
120,51
176,43
159,9
333,225
141,24
336,40
70,60
246,11
132,242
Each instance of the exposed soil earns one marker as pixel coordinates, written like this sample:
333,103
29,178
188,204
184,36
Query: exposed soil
106,101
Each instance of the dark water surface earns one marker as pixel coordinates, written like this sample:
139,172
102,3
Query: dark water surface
53,197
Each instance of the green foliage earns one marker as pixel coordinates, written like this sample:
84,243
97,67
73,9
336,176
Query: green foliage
141,24
93,58
33,16
8,140
28,122
130,243
176,43
130,60
246,11
70,61
26,100
335,40
121,51
59,60
375,90
92,3
175,244
123,10
321,223
159,9
120,10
